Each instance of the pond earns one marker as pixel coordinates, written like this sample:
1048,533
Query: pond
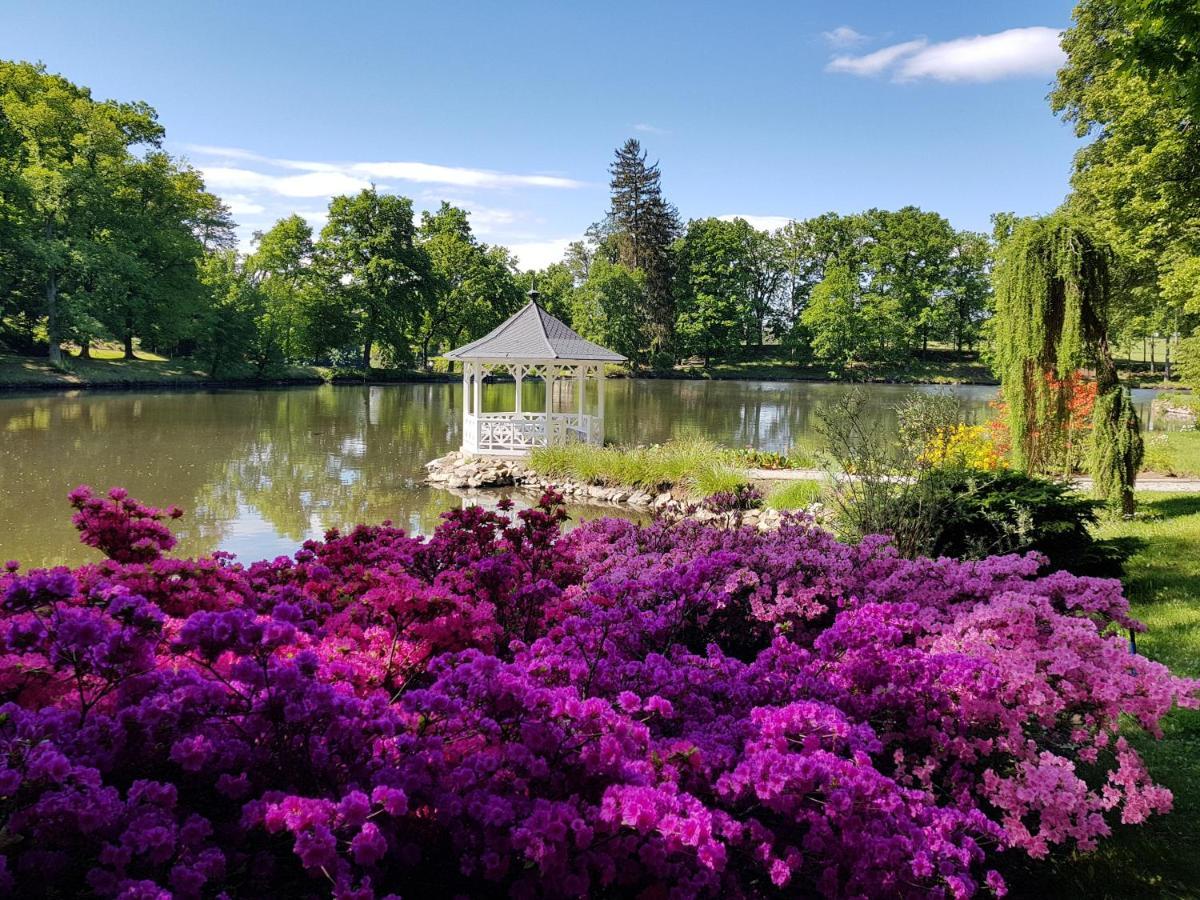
258,472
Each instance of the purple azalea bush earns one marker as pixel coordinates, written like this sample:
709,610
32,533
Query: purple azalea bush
669,710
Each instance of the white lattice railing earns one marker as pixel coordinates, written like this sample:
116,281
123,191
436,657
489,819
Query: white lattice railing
511,432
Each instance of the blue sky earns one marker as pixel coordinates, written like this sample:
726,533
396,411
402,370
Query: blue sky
512,109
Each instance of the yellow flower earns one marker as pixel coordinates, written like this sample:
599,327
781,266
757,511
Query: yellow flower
964,446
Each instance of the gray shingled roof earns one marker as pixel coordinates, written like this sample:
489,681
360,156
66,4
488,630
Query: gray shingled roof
532,333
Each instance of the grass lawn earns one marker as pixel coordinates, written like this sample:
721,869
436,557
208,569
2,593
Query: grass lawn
1160,858
109,368
939,367
1173,453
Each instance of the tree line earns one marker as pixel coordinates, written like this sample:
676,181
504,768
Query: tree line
879,286
106,237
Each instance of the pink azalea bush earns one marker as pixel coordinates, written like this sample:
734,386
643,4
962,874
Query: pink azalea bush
668,710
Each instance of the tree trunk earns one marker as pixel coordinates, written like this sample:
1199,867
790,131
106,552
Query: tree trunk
85,348
52,327
52,333
129,344
366,360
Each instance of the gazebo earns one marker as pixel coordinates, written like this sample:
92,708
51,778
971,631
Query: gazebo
533,344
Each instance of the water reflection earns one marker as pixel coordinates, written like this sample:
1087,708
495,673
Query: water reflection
260,471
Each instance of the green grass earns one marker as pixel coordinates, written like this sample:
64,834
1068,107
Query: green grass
108,368
696,467
1173,453
1160,858
940,366
795,495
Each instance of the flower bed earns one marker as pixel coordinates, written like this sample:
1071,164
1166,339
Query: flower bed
669,709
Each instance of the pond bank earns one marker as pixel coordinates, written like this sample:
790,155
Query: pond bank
25,373
456,472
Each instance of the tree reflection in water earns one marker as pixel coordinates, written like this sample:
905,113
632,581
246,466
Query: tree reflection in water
259,471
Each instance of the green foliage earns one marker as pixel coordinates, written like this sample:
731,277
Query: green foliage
610,309
717,285
642,226
697,466
100,230
228,330
472,289
796,495
880,286
376,278
1130,84
717,479
831,317
555,285
1052,292
1117,448
880,485
279,266
983,514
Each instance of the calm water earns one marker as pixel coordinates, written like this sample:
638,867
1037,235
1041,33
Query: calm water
257,472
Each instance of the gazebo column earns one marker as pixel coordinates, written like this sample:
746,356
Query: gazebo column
478,390
519,376
549,377
600,403
580,384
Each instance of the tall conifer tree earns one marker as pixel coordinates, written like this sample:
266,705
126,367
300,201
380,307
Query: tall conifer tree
645,225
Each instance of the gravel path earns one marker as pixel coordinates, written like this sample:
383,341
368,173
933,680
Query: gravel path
1148,482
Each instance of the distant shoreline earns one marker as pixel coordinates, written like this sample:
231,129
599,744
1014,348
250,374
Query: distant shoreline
44,379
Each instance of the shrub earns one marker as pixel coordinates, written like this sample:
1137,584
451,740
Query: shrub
987,513
878,484
504,709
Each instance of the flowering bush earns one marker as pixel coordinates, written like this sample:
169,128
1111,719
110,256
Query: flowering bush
743,497
1067,427
964,447
667,710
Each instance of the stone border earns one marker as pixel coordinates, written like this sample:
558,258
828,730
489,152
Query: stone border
457,471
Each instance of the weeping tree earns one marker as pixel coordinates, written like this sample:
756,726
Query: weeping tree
1052,289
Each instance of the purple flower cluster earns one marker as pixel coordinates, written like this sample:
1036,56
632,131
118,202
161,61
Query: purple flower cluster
663,710
740,499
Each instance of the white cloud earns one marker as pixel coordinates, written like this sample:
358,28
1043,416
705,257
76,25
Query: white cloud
260,189
359,172
874,63
476,178
539,254
844,36
486,219
762,223
647,128
311,184
986,57
240,205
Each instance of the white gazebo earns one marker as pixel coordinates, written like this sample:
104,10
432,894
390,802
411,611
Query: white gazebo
533,344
